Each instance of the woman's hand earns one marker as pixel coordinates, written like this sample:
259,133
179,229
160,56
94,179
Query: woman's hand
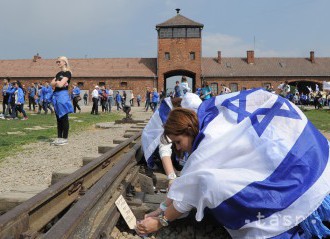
155,213
148,225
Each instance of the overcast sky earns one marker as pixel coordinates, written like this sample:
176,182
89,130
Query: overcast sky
126,28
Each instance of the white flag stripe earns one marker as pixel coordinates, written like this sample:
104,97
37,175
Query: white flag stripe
151,135
282,221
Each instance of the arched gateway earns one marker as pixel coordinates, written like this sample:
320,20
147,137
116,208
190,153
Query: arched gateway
179,50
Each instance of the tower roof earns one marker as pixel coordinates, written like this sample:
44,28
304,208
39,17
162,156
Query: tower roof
179,21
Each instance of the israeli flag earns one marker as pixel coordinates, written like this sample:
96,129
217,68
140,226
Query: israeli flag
257,164
154,129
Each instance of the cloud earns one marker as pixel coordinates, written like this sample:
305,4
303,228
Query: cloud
234,46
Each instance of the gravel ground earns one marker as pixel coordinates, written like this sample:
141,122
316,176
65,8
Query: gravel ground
186,228
35,164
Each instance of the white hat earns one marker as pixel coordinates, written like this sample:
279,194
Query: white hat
97,86
191,101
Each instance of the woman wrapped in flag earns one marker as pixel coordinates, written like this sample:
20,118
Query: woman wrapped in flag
256,164
152,147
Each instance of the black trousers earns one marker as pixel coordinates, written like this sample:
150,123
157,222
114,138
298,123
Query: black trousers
32,102
63,126
95,108
5,105
20,108
75,105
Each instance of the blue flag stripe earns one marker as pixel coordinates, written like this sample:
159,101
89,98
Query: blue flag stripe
207,111
295,175
164,110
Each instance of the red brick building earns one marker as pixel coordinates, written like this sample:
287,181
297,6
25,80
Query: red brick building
179,53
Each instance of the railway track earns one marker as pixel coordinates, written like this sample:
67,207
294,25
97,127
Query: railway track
82,204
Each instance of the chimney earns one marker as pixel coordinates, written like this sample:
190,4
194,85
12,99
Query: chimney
219,57
250,57
312,57
36,57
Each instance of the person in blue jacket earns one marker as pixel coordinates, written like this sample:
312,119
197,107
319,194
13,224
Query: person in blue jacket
76,98
155,100
47,92
61,100
11,101
32,92
19,100
118,100
40,99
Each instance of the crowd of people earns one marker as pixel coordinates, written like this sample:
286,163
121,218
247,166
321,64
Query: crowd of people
106,98
316,98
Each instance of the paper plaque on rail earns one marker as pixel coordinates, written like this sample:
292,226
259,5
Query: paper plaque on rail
126,212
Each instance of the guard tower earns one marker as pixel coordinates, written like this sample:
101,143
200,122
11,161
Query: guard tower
179,50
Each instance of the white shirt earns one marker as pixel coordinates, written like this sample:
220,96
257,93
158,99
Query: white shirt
165,150
95,93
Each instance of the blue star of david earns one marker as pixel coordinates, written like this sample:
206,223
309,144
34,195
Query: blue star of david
268,113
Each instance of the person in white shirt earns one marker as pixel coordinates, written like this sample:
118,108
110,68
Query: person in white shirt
184,85
95,99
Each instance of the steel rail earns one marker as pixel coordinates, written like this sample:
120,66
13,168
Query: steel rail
91,215
31,216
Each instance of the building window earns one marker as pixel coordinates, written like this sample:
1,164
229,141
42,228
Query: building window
214,88
165,33
233,87
80,84
192,55
101,83
123,84
179,32
193,32
167,56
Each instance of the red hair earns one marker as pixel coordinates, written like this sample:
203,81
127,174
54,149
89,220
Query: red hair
181,122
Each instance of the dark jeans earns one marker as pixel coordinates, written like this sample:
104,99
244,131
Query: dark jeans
63,126
147,104
20,108
131,101
138,102
104,105
75,105
46,106
32,102
118,105
85,101
5,105
13,110
95,108
153,106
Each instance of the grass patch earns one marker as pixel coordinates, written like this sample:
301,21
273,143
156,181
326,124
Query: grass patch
15,133
320,118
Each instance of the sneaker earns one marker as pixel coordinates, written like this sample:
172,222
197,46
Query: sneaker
61,142
25,118
55,141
